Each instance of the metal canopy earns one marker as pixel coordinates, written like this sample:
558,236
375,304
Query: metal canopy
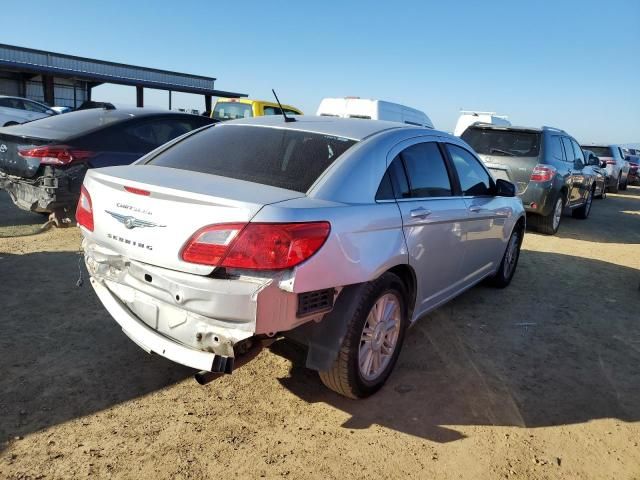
100,71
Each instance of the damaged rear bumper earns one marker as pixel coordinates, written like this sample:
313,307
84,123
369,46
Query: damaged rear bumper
197,321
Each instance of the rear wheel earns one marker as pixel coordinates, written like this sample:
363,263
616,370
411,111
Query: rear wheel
583,211
373,340
616,186
507,268
549,224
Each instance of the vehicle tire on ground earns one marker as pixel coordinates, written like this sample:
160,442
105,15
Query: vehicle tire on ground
583,211
373,340
623,186
507,268
549,224
616,187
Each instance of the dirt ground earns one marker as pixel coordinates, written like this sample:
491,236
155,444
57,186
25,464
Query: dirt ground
541,380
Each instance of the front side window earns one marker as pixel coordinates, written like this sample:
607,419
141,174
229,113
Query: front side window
568,148
474,179
577,152
34,107
232,110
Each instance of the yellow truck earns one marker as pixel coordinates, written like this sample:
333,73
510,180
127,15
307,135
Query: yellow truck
234,108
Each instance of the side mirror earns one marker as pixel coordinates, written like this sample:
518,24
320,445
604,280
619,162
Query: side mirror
505,188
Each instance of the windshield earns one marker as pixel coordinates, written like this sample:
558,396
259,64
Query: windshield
599,151
510,143
232,110
270,156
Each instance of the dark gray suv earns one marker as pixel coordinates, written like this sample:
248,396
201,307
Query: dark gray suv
546,164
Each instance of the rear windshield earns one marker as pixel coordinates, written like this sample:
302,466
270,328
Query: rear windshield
70,124
270,156
232,110
509,143
599,151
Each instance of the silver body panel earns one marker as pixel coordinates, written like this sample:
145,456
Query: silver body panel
461,242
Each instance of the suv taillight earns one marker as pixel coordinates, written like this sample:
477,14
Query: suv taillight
55,154
256,246
611,162
542,173
84,211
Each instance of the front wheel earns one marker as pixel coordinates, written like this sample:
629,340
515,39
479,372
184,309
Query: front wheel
583,211
374,337
616,186
623,186
507,268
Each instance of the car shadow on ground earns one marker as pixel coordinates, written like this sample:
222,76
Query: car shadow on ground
60,351
554,348
15,222
623,208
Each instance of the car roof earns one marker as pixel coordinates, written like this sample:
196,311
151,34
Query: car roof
352,128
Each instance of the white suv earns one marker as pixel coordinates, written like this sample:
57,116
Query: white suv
15,110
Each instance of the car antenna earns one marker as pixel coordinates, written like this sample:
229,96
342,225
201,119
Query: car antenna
286,119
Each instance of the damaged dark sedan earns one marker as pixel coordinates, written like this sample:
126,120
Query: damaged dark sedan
43,163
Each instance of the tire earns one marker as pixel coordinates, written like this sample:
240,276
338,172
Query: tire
615,188
583,212
549,224
507,268
624,185
346,376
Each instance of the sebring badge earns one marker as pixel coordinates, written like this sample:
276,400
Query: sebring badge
132,222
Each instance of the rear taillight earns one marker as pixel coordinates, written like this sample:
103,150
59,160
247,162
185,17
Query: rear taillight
611,162
256,246
542,173
55,154
84,211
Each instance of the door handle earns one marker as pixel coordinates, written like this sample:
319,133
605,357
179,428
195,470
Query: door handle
475,209
419,212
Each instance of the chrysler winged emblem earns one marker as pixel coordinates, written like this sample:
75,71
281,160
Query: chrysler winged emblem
3,148
132,222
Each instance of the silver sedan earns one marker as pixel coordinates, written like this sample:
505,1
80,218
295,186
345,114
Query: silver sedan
336,233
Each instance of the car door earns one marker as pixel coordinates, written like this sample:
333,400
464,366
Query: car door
582,178
483,232
432,216
571,174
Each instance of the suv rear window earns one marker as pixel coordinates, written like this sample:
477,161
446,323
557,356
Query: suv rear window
270,156
508,143
232,110
600,151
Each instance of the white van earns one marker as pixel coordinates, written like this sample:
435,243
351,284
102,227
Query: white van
468,118
355,107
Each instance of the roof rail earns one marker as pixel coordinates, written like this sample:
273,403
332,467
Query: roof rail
546,127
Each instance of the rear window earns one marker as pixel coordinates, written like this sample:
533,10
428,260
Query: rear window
599,151
508,143
232,110
270,156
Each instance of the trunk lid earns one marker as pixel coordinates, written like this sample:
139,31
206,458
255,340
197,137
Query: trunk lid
153,228
517,170
13,164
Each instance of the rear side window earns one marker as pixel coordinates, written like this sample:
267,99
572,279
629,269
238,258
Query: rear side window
426,171
232,110
556,148
508,143
270,156
474,179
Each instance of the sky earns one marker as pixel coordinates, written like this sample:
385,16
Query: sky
570,64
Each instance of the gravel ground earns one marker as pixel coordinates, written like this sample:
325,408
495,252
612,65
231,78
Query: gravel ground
540,380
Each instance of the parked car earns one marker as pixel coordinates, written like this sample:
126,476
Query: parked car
599,169
234,108
370,109
89,104
43,163
546,165
16,110
617,166
329,237
469,117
